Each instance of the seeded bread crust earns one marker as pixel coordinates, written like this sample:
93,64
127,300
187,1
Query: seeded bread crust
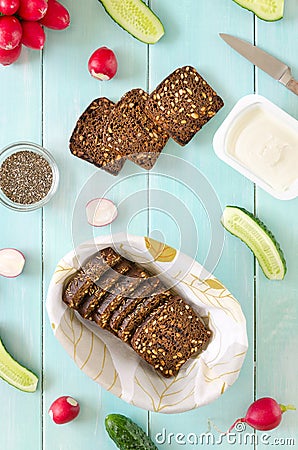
86,139
131,133
143,309
183,103
170,336
147,288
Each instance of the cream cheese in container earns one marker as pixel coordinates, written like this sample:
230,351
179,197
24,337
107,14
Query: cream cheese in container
260,140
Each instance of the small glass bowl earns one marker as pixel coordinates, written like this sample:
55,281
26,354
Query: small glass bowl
29,146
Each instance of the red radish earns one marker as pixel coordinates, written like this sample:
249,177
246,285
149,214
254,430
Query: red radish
32,9
103,64
263,414
9,7
101,212
57,16
8,57
33,35
12,262
64,409
10,32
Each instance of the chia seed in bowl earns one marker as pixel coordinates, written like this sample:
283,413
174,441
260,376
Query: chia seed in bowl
28,176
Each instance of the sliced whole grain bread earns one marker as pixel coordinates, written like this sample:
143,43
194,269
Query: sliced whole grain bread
98,264
80,284
182,103
86,140
147,288
76,290
124,286
103,287
125,299
86,307
131,133
143,309
170,336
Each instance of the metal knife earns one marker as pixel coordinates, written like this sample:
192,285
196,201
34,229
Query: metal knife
268,63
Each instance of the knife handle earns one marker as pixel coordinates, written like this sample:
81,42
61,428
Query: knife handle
293,85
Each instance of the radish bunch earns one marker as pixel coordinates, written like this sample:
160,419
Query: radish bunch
22,22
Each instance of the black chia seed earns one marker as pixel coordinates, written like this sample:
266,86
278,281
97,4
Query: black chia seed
25,177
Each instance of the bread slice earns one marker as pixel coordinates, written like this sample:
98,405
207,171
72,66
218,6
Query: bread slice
124,286
76,290
170,336
182,103
147,288
129,131
79,286
83,282
143,309
90,301
104,286
86,140
107,285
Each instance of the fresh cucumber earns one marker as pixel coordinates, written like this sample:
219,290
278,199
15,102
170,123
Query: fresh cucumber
15,374
269,10
136,18
258,238
126,434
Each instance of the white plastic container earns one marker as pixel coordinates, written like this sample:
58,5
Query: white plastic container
260,141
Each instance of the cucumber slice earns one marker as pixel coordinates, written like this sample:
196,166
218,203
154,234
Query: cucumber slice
258,238
269,10
15,374
136,18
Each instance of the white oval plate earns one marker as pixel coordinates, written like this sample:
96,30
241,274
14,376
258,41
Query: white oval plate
117,368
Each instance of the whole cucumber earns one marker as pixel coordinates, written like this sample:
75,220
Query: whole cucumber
126,434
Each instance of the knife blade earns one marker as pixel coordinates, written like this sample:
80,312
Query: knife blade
266,62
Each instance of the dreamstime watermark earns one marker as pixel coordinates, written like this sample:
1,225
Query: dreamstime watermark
239,438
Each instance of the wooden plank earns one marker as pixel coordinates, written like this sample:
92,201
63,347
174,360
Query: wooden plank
192,38
277,310
65,68
172,211
20,298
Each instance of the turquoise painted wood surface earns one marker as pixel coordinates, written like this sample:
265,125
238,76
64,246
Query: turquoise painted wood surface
41,98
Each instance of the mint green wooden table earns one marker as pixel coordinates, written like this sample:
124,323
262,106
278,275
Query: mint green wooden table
41,98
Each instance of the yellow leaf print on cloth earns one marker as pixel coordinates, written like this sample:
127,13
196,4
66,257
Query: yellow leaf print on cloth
161,394
89,352
213,283
160,251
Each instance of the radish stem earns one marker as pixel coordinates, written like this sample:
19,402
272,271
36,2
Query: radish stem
285,408
235,423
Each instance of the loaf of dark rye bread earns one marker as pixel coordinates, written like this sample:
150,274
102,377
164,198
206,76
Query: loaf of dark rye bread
131,133
182,103
125,299
86,140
